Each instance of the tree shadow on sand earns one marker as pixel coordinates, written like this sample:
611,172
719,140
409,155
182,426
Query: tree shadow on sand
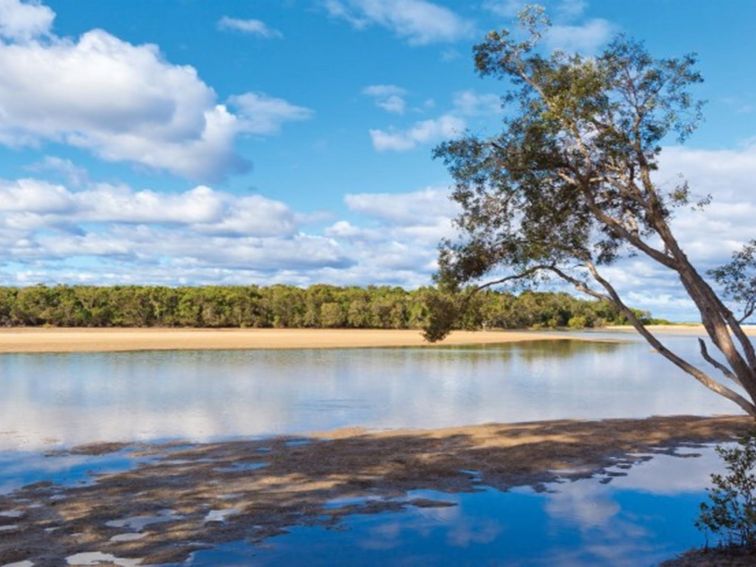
190,497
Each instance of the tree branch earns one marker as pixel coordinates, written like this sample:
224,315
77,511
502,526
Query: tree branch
716,364
633,239
527,273
698,374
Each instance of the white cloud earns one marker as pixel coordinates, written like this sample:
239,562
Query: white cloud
110,234
470,103
465,104
711,235
505,8
124,102
401,235
22,21
32,203
198,235
585,38
418,21
388,97
263,114
570,9
422,207
249,26
565,34
422,132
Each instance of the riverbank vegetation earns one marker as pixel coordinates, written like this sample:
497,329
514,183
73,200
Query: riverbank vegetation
282,306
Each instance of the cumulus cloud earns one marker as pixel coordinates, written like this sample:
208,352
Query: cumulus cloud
422,132
713,233
398,234
584,38
202,235
22,21
419,22
388,97
424,207
215,235
36,203
259,113
125,102
249,26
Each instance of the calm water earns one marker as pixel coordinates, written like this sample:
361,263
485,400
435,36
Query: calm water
638,519
71,399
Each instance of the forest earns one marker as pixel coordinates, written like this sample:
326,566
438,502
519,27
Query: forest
284,306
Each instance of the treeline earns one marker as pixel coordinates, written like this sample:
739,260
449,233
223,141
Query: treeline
319,306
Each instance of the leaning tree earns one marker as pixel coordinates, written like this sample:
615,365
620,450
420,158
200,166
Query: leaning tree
568,187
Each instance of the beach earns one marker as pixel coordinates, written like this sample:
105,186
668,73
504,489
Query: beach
29,340
54,339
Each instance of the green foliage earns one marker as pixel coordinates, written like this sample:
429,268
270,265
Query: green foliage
319,306
566,184
731,515
738,279
443,313
577,322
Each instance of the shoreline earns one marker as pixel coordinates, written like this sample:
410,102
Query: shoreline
678,328
293,481
16,340
71,340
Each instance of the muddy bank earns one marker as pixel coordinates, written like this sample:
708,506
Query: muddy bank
118,340
190,497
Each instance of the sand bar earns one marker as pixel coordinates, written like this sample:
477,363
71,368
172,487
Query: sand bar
15,340
682,329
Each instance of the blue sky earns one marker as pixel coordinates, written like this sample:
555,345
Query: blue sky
197,141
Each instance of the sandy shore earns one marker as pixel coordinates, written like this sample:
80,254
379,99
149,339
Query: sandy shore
299,479
750,330
105,340
38,339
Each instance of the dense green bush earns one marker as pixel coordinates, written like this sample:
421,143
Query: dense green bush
293,307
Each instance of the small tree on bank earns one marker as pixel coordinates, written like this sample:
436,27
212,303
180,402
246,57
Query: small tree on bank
730,513
567,187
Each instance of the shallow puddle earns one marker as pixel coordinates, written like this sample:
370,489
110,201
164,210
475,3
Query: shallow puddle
20,468
636,516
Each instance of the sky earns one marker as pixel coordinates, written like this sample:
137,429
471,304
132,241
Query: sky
187,142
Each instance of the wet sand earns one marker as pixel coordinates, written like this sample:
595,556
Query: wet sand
105,340
205,494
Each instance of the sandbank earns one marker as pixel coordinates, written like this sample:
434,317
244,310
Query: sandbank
32,339
677,329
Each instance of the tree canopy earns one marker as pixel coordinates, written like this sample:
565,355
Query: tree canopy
318,306
567,186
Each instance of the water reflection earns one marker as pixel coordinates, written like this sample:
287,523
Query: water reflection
638,519
81,398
